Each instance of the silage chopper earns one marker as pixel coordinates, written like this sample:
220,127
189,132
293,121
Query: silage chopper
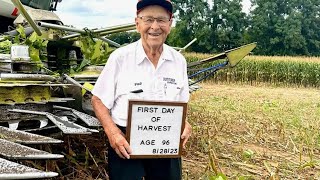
46,78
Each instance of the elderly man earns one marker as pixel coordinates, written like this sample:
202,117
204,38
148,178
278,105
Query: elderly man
147,70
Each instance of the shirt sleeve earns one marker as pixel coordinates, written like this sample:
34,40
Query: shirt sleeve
105,85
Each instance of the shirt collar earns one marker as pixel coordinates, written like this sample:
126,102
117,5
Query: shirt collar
141,54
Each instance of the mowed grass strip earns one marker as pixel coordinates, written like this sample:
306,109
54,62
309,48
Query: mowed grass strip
254,132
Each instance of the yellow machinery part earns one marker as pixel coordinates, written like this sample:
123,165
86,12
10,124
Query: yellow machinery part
24,94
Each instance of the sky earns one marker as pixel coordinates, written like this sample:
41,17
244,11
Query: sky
102,13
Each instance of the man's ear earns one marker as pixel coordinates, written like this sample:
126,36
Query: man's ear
137,24
171,23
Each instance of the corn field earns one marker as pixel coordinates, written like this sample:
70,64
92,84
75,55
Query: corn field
275,70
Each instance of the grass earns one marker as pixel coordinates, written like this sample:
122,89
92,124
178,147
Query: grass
250,132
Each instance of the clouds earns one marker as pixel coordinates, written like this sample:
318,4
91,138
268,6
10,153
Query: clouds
96,13
102,13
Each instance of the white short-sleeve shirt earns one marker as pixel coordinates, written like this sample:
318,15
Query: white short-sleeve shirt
129,70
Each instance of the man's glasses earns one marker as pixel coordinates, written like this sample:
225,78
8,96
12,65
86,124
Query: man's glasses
148,20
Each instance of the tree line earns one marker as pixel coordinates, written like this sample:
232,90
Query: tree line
280,27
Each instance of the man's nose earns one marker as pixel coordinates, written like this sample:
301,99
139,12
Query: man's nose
155,24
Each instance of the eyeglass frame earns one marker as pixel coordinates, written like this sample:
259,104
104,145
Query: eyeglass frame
158,19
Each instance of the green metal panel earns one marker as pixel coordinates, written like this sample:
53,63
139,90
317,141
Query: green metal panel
24,94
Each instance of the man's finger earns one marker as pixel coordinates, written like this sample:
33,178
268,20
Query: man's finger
185,139
186,134
128,148
119,153
124,152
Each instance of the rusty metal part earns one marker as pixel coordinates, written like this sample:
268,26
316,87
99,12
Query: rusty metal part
86,104
68,127
25,137
12,170
24,67
6,115
22,95
89,120
26,77
5,66
65,126
17,151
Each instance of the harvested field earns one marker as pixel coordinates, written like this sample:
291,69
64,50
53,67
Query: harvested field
239,132
254,132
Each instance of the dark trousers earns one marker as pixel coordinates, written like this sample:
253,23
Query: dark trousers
150,169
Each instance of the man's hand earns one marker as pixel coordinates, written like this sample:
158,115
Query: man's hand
121,146
116,138
186,134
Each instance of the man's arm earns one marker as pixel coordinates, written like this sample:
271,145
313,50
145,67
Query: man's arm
116,138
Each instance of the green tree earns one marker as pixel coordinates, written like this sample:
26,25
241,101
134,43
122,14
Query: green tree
285,27
310,23
189,16
125,37
218,25
232,26
263,26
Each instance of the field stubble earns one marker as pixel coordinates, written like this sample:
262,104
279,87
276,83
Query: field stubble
250,132
240,131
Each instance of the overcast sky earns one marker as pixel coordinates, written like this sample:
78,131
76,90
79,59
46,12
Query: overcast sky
101,13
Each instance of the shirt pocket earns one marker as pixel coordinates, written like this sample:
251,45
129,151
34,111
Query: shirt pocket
172,91
124,94
129,85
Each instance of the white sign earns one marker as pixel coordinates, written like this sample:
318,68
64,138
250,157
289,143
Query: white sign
154,128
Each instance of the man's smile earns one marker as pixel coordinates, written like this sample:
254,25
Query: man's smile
154,34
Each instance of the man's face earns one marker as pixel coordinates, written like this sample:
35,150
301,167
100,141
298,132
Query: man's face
154,24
